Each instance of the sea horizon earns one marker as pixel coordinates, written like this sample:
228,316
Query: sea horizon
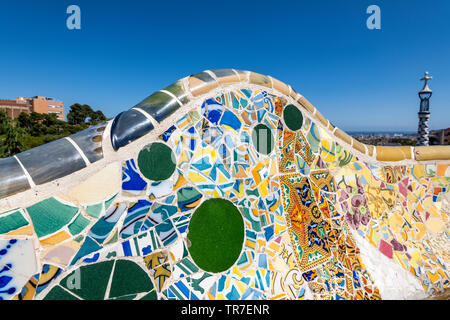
381,132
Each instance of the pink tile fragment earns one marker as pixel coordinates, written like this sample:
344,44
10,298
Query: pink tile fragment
405,181
386,249
402,190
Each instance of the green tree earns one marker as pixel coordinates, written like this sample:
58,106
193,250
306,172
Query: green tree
35,117
50,120
24,121
97,116
83,113
12,143
78,113
34,129
5,121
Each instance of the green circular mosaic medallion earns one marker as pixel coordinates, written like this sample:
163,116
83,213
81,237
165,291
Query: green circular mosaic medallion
262,138
216,234
293,117
156,161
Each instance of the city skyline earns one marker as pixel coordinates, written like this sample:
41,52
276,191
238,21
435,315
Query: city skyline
324,50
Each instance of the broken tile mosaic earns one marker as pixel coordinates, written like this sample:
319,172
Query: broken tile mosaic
316,218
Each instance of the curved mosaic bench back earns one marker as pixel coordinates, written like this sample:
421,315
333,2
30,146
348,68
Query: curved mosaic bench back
325,216
51,161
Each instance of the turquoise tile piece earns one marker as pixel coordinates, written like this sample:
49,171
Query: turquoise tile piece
78,225
50,216
103,227
88,246
12,220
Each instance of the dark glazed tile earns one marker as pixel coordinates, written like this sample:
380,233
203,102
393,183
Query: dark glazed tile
93,280
156,161
90,141
159,105
293,117
129,126
51,161
128,279
220,73
178,91
204,76
58,293
12,177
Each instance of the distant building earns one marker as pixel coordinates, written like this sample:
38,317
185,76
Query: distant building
14,107
440,137
37,104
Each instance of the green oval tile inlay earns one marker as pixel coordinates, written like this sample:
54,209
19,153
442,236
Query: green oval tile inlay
156,161
216,233
293,117
262,138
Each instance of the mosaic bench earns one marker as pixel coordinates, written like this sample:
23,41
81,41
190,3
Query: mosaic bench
227,184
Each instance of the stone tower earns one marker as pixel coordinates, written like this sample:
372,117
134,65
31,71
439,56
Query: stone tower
424,113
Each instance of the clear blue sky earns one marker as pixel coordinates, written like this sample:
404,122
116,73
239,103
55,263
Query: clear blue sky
360,79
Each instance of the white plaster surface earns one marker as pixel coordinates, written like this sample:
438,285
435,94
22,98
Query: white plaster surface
393,282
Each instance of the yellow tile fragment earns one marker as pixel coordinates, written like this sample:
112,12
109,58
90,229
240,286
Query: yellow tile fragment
56,238
434,225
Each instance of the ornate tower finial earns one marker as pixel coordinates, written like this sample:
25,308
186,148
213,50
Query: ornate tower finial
424,112
426,78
